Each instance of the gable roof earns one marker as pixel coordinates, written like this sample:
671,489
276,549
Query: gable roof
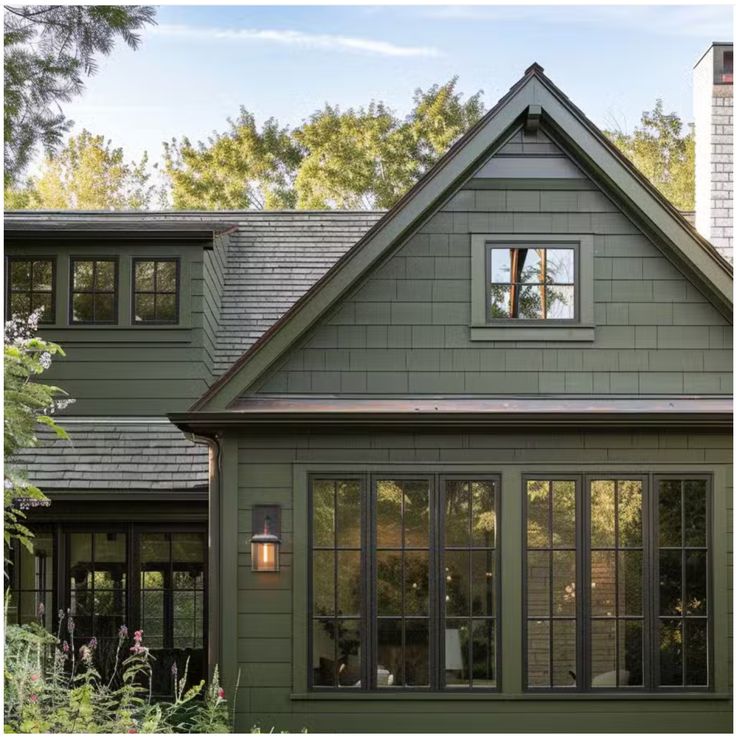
648,209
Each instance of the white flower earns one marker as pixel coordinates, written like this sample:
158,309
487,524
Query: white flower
45,360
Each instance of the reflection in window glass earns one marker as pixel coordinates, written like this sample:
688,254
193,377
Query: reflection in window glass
616,583
682,624
31,286
155,286
551,579
30,575
94,291
534,283
469,583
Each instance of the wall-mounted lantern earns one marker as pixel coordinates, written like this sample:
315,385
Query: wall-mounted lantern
265,543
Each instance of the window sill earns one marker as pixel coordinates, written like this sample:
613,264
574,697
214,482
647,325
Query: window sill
528,333
495,696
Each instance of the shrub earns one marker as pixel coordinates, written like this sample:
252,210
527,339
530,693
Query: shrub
51,687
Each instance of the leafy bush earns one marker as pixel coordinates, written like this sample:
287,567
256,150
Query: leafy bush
51,687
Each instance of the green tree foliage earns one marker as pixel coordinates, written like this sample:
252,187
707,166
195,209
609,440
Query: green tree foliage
49,49
357,158
88,173
28,405
241,168
664,152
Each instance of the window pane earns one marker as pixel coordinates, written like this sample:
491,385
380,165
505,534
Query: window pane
348,514
416,583
389,583
603,652
695,513
348,583
484,515
670,652
696,579
670,582
83,275
323,582
696,646
530,304
155,548
538,584
348,652
670,514
323,513
144,307
105,275
564,652
20,304
417,652
560,266
43,275
389,669
483,583
166,276
500,265
457,587
20,274
484,653
563,513
166,307
602,513
631,653
324,656
416,514
44,302
563,586
630,583
144,276
104,307
457,652
603,583
538,514
389,501
457,513
629,513
559,302
500,302
538,643
83,307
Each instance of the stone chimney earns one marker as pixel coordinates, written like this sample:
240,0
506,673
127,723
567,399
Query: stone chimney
713,98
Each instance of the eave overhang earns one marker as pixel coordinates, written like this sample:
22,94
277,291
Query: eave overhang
305,414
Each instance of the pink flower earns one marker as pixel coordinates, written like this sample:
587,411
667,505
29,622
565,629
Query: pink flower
65,646
221,693
35,677
33,698
132,731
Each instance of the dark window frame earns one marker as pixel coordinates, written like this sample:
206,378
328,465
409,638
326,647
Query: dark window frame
543,243
176,292
368,616
115,292
9,290
650,590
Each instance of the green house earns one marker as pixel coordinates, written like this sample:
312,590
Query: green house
463,466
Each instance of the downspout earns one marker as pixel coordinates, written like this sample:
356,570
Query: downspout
214,590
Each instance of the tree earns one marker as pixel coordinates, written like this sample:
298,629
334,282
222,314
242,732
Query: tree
665,154
28,405
368,158
241,168
88,173
49,49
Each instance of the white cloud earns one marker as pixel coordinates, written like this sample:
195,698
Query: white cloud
710,21
286,37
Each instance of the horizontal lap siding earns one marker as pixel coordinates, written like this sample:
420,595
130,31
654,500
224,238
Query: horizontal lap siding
265,603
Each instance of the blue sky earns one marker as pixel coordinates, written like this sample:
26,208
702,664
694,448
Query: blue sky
202,62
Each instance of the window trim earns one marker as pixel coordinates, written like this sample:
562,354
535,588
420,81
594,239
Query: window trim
369,623
115,293
650,592
9,259
581,328
156,322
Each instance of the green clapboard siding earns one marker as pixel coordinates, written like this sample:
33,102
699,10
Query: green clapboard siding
406,328
268,613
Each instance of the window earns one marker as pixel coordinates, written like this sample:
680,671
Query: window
155,291
31,285
418,621
525,287
531,282
590,608
94,291
147,577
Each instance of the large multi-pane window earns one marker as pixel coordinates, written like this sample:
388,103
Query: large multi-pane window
403,583
94,291
31,285
145,577
594,619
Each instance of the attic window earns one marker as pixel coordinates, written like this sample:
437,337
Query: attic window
31,285
530,282
531,287
155,291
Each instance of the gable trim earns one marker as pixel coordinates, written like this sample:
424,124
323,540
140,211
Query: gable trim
663,223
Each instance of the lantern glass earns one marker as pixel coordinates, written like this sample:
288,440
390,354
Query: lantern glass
264,556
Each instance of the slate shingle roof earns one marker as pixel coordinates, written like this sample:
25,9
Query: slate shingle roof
119,454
